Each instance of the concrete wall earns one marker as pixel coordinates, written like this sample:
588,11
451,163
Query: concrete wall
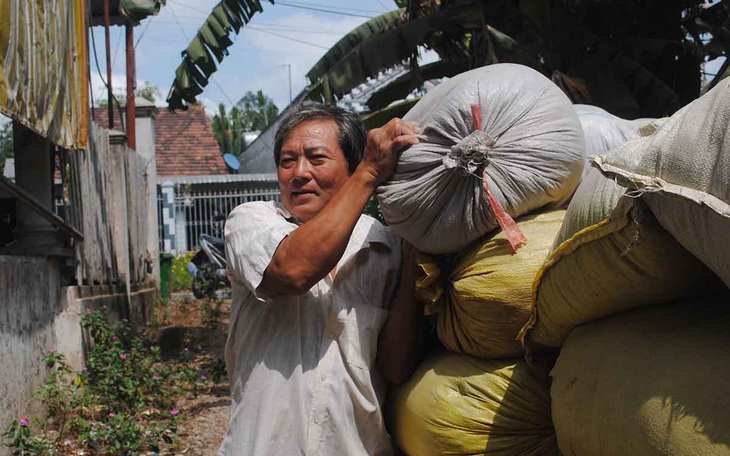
29,307
38,315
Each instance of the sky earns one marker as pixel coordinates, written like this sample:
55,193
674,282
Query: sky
292,34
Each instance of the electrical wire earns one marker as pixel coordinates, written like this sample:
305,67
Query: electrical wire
98,69
332,7
387,8
251,27
322,10
146,26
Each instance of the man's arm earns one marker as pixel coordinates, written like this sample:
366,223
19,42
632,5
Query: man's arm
400,345
311,251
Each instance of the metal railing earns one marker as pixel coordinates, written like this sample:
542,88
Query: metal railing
194,211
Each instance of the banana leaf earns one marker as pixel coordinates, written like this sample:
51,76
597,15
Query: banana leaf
211,40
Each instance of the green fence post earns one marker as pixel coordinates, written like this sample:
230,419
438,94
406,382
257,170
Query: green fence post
166,274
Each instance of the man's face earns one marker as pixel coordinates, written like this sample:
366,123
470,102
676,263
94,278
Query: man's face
312,167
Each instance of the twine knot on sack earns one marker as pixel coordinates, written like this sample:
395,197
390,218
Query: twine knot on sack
470,153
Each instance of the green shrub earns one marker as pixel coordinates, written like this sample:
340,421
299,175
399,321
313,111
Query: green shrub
181,278
123,403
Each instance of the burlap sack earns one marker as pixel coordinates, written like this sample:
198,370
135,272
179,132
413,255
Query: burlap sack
683,171
611,256
648,382
484,298
459,405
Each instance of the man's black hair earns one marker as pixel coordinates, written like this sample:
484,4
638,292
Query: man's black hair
351,132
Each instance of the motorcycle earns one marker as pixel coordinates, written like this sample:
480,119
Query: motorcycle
208,265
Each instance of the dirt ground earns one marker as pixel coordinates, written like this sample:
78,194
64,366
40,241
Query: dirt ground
203,331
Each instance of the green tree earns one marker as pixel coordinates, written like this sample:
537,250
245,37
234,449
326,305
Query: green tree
254,111
144,90
257,110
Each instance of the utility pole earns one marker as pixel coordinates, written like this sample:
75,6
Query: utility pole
288,65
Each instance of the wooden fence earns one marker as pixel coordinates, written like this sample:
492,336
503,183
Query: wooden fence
108,202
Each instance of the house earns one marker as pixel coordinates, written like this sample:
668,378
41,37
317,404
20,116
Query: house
194,182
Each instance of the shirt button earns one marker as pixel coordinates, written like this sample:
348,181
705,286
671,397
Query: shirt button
323,378
316,421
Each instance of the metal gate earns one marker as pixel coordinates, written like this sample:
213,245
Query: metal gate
187,210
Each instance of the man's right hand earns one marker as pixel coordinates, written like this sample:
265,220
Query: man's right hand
382,147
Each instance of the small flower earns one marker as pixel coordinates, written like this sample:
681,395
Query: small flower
203,377
92,423
104,307
155,377
115,338
174,412
186,349
24,421
112,415
88,311
123,356
119,374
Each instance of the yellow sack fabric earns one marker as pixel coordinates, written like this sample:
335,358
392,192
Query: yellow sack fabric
611,256
488,296
458,405
652,381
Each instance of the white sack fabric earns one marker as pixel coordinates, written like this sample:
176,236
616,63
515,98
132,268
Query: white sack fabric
531,144
603,131
683,174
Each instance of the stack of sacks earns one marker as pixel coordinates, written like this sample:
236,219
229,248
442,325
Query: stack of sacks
623,241
684,171
459,405
603,131
651,381
530,149
448,195
610,256
649,225
486,298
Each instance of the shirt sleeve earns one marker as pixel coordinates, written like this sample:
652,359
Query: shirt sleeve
253,232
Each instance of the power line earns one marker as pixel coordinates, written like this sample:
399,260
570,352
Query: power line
387,8
286,37
184,5
98,69
334,8
322,10
146,26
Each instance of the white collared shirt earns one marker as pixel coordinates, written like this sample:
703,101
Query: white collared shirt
302,367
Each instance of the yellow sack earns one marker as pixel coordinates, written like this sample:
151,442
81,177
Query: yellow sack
488,296
611,256
652,381
459,405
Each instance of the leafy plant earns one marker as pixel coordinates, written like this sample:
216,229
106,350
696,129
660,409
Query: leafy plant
123,403
182,280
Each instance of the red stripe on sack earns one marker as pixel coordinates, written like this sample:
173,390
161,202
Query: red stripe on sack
514,235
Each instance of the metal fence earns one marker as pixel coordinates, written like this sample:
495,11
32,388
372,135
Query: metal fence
195,209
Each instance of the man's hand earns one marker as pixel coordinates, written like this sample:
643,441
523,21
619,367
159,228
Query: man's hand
382,147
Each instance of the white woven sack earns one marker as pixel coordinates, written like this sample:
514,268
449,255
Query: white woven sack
683,173
531,144
603,131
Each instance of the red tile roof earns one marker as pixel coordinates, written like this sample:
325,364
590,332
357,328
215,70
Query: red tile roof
184,142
